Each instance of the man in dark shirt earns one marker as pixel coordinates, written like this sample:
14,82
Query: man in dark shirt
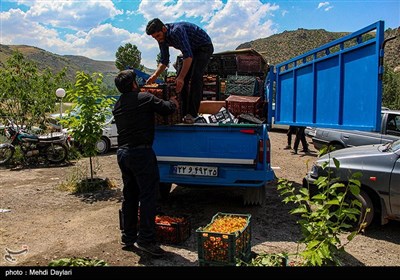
134,114
292,130
196,47
300,136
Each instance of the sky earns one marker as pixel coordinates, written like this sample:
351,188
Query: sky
96,28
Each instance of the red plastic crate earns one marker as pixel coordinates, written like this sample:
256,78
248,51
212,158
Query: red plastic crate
244,105
249,64
172,230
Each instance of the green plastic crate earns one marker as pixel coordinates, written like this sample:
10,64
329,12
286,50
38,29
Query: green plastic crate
240,85
221,249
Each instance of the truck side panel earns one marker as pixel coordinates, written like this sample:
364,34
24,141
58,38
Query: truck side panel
336,85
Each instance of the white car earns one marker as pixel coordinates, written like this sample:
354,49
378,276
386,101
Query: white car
108,139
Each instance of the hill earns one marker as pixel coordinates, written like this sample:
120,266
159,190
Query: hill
288,44
276,48
55,62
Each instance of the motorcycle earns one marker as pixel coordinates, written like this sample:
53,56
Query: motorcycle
54,149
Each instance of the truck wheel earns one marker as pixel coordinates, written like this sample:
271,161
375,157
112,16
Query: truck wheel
165,189
254,196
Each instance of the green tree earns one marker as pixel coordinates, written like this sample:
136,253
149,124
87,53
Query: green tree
87,125
391,89
27,95
128,56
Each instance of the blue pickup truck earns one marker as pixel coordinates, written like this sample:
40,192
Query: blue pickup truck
331,86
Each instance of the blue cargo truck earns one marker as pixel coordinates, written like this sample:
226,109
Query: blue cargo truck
337,85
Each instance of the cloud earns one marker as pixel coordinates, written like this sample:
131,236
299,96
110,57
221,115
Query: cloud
326,5
75,15
322,4
96,28
169,10
241,21
227,24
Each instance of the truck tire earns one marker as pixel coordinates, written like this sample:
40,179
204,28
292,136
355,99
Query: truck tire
254,196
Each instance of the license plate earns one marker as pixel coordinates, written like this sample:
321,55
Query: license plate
194,170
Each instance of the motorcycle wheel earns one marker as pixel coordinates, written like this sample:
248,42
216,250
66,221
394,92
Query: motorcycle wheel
56,153
6,153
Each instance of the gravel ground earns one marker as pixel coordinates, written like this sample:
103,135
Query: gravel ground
52,224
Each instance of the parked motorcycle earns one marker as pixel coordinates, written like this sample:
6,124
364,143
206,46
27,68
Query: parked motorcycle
54,149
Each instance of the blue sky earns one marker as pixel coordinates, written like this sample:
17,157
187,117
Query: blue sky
96,28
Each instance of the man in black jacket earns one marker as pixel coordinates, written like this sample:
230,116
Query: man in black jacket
134,114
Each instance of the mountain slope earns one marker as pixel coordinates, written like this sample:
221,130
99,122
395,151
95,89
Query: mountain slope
288,44
56,63
276,48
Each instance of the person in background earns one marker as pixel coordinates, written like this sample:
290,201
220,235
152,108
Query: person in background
134,114
292,130
196,47
300,136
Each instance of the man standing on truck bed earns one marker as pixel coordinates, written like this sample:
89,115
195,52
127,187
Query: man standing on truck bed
196,47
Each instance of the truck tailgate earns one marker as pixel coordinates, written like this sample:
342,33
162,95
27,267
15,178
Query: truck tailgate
217,143
211,154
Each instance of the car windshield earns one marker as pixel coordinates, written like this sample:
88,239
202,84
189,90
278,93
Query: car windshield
109,116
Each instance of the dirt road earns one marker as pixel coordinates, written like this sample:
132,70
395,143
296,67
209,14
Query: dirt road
46,223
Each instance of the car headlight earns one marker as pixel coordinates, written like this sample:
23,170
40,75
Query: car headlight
311,132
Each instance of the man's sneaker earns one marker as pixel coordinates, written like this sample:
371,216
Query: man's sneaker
150,248
188,119
127,242
287,147
200,119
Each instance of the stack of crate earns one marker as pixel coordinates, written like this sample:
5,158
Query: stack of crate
176,117
164,91
210,87
161,92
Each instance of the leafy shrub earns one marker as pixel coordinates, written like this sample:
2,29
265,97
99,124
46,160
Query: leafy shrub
331,212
